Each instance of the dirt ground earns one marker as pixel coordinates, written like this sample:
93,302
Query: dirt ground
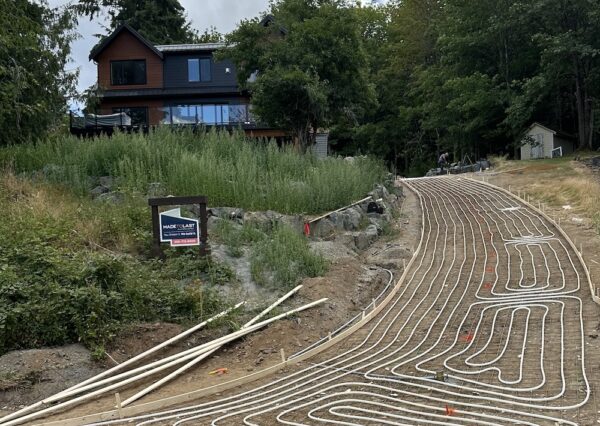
351,283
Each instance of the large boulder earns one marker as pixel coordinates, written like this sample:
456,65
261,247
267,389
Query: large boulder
323,228
106,181
99,190
263,220
362,240
227,213
114,197
348,220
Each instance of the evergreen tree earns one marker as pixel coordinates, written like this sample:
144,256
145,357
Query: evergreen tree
160,21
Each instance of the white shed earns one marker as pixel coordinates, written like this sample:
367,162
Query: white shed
542,142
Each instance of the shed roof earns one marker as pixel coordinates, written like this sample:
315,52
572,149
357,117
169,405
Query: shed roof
558,133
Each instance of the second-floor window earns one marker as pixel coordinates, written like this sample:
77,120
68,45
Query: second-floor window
128,72
199,70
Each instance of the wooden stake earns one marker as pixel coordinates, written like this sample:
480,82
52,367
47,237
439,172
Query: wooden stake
119,406
282,352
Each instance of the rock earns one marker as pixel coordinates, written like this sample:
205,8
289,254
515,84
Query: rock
348,220
352,219
114,197
294,222
212,223
363,240
99,190
337,219
227,213
324,228
156,189
263,220
106,181
389,257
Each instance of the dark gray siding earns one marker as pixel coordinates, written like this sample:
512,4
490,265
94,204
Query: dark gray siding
176,73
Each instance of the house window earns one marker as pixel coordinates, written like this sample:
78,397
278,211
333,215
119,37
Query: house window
207,114
138,115
128,72
199,70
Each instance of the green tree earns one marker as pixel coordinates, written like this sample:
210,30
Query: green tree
570,39
210,35
160,21
34,82
309,61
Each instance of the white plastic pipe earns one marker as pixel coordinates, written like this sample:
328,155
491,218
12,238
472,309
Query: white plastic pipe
69,392
206,347
205,355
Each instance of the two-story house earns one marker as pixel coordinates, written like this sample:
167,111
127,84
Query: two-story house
171,84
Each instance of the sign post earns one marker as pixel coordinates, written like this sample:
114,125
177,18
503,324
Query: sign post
179,231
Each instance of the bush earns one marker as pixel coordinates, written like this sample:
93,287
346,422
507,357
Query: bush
284,258
56,287
230,169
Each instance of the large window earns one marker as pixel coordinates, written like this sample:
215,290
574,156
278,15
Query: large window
128,72
138,115
199,70
207,114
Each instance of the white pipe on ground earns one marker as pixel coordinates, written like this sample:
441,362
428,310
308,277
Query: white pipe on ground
205,348
68,392
205,355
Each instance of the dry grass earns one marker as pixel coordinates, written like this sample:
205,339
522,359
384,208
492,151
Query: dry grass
90,223
500,162
570,184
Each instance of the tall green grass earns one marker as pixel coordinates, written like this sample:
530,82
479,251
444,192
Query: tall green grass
230,169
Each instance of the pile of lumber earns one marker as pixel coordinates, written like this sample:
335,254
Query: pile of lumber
133,371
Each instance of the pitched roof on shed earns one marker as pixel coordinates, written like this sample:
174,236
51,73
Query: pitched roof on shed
558,133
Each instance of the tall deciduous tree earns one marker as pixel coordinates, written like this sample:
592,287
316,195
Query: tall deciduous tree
34,80
310,65
160,21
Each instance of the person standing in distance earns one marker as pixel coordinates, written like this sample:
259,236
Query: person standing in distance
442,161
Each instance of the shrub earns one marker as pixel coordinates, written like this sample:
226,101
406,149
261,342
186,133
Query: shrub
56,287
230,169
284,258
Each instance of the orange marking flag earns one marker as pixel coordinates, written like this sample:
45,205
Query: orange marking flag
219,371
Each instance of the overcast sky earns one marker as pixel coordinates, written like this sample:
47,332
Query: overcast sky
222,14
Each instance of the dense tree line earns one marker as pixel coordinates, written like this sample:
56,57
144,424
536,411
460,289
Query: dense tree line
411,78
403,80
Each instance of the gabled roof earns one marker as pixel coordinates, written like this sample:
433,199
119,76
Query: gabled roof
270,20
535,123
558,133
99,48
